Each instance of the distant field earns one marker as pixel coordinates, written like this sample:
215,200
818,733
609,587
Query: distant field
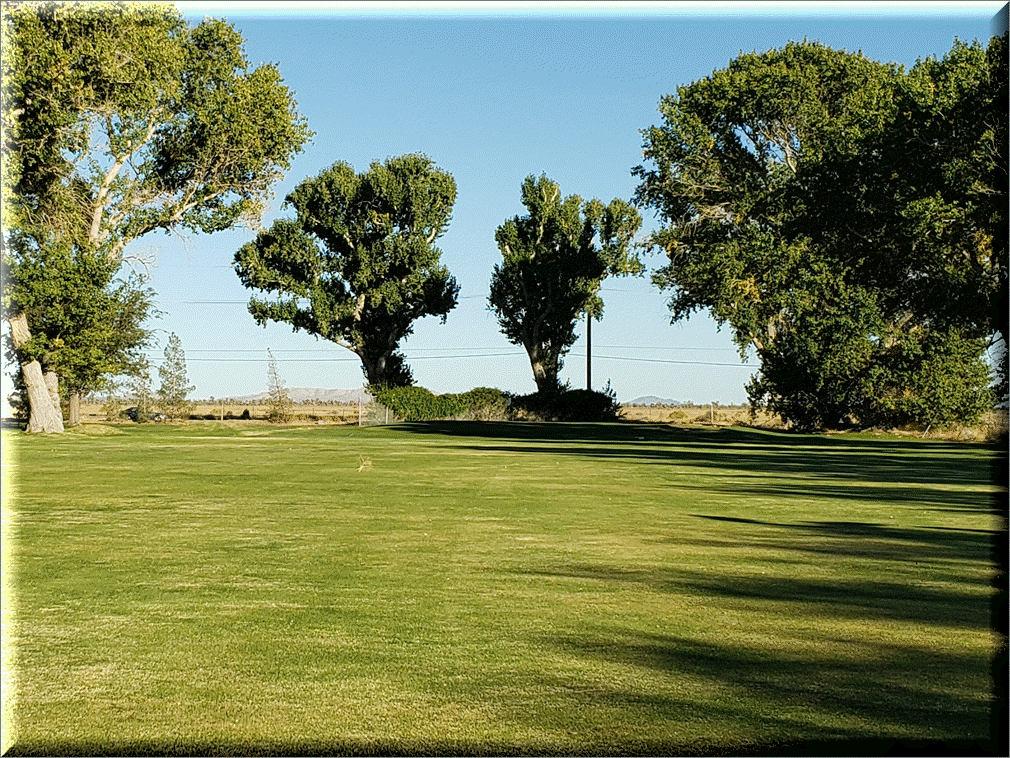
993,424
466,588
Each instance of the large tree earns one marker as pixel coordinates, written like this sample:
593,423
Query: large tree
554,260
358,264
89,324
121,120
779,181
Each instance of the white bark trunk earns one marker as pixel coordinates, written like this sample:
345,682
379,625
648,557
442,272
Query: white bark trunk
75,409
44,415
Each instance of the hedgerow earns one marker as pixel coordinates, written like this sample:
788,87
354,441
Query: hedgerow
566,405
488,404
419,404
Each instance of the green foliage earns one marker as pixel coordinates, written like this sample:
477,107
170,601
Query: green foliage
358,264
175,386
553,262
835,213
124,120
484,404
419,404
88,323
120,120
566,405
140,390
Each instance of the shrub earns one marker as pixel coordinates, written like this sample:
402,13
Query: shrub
566,405
419,404
485,404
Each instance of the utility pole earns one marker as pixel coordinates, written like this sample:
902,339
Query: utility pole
589,351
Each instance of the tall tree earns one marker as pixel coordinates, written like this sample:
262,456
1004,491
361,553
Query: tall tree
554,260
175,386
780,222
121,120
358,264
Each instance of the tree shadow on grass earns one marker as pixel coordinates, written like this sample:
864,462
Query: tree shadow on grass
825,704
842,459
876,541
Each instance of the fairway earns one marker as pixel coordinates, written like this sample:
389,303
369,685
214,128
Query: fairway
495,588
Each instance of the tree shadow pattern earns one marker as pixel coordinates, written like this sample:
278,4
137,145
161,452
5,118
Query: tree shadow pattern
936,476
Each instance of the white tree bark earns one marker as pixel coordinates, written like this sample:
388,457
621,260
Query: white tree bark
44,414
74,416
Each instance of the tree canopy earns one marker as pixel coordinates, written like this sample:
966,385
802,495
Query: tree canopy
798,188
358,264
89,323
554,260
120,120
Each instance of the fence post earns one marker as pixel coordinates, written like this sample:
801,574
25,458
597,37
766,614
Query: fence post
359,411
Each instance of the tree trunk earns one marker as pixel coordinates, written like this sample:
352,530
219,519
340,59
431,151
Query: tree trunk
44,415
53,388
545,370
75,409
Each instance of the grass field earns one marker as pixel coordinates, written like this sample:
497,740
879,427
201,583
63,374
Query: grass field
500,588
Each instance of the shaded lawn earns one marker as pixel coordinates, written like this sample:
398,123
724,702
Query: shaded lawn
499,588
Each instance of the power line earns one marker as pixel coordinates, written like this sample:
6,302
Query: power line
474,355
444,349
665,360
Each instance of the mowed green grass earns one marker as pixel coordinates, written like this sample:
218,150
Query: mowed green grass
514,588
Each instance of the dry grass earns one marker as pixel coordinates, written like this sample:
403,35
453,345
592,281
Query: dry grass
92,413
992,428
719,415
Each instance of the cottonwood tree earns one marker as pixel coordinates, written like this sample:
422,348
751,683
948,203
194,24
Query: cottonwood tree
780,222
554,260
120,120
358,264
175,386
89,326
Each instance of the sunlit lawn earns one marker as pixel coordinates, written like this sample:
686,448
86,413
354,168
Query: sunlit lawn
467,588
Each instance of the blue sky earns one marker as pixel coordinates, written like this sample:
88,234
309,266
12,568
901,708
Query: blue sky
492,93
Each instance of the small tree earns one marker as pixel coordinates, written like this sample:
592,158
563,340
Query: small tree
280,402
140,389
174,385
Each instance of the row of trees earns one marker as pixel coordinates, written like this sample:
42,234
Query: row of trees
846,219
358,264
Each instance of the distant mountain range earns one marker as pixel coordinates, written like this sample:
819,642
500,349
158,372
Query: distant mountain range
311,394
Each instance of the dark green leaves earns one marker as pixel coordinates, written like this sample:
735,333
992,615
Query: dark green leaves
826,207
358,264
553,262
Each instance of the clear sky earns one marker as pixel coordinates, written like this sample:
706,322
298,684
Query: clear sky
493,92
